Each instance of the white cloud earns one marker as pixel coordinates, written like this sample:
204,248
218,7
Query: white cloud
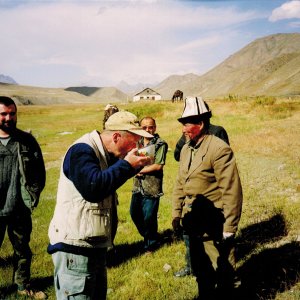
295,24
288,10
103,42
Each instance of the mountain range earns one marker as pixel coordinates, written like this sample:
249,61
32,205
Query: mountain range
7,79
267,66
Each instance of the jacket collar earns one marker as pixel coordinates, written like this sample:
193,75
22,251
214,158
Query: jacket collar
200,153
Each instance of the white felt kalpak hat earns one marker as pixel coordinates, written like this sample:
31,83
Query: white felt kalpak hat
195,110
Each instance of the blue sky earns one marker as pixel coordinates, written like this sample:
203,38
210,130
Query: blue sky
100,43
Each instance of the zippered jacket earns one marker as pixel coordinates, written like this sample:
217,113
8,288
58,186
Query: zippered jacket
31,166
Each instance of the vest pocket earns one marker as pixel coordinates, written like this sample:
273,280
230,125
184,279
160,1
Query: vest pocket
70,285
97,224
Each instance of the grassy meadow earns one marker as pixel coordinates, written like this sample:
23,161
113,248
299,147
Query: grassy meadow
265,136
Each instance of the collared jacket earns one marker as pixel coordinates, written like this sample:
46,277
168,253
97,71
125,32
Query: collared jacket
31,166
85,212
212,178
216,130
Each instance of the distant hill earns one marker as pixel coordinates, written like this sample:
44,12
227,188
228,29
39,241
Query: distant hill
84,90
135,88
7,79
28,95
174,82
267,66
110,94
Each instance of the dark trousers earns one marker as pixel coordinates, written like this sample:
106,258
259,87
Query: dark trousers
19,228
213,264
187,253
143,211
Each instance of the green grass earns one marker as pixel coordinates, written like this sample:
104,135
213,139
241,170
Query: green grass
264,134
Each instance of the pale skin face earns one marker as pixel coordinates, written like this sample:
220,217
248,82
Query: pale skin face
8,119
124,142
148,125
123,145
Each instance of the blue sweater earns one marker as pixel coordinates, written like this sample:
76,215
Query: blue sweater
81,166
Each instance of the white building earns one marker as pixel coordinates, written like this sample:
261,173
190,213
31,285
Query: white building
147,94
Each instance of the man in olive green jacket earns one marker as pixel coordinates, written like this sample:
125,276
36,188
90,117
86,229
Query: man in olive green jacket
207,201
22,179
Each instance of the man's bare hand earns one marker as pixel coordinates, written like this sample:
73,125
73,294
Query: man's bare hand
137,161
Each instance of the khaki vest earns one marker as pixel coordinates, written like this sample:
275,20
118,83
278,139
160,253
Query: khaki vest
79,222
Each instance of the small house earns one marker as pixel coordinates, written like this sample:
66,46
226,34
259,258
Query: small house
147,94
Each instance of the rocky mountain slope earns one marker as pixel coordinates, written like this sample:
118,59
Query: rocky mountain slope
267,66
102,93
42,96
7,79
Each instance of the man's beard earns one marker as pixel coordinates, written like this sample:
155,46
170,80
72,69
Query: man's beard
9,127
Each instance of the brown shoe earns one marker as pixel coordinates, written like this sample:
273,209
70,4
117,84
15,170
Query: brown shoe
32,294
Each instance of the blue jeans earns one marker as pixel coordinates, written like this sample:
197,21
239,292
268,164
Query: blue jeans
80,277
143,211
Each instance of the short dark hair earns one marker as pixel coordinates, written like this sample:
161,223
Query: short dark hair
148,118
7,101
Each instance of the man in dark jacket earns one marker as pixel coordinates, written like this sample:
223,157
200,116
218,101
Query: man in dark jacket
21,182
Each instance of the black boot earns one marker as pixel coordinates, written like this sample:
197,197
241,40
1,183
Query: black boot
186,271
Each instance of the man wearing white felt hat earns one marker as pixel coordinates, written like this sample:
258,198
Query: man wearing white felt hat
207,201
221,133
194,110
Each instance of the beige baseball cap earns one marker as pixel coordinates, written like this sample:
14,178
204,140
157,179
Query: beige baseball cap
125,120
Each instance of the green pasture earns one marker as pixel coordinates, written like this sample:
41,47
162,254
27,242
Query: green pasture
265,136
